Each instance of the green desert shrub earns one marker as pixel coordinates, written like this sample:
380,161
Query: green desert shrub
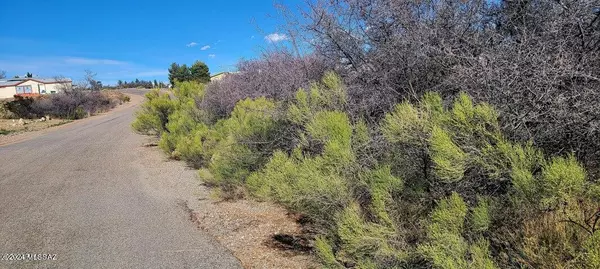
180,124
329,94
333,130
188,135
305,185
313,182
196,148
324,251
154,114
591,253
382,185
363,242
481,219
246,143
562,180
446,248
449,159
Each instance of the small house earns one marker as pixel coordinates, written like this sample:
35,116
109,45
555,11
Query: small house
32,86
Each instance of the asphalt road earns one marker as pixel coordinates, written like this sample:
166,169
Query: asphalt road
83,193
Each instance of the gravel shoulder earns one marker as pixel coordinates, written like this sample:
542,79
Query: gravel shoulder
245,227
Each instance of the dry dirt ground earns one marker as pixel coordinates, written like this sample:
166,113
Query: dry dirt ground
8,127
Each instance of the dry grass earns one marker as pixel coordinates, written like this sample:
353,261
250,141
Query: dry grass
8,127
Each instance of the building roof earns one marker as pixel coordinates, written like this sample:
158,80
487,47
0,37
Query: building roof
16,81
8,83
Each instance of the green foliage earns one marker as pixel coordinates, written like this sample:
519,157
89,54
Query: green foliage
382,185
179,73
333,130
405,125
362,241
199,72
449,159
591,254
481,216
325,253
481,257
252,119
412,125
180,124
197,147
329,95
361,137
563,179
518,162
469,119
449,215
154,114
333,92
187,136
189,90
245,146
306,185
231,163
446,248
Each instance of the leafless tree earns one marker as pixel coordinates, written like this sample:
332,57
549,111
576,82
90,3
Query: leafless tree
64,84
2,74
537,61
90,81
277,75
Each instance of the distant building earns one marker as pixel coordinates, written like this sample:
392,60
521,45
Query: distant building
32,86
219,76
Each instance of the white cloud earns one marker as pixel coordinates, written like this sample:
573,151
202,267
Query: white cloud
205,47
252,37
212,56
276,37
193,44
90,61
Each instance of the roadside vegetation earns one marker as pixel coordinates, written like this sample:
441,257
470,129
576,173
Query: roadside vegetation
71,105
418,141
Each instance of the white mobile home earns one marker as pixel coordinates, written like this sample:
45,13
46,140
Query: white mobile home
32,86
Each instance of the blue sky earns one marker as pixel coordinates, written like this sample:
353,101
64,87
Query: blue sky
132,39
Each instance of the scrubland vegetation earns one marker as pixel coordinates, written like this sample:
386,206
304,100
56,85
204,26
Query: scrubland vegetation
417,134
70,105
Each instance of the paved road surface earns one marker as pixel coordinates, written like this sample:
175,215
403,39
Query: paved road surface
82,192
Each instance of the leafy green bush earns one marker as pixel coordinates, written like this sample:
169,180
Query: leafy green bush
445,246
363,242
481,219
306,185
246,142
153,117
591,255
449,159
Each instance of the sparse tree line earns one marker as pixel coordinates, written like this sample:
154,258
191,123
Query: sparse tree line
417,134
140,84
